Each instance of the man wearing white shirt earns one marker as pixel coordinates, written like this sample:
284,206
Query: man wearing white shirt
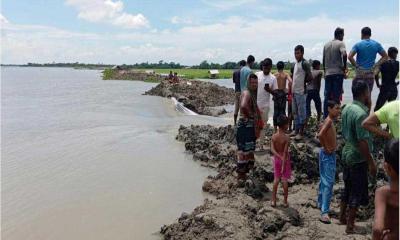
266,83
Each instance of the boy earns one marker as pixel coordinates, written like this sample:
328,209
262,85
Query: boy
247,129
386,224
313,89
301,75
282,166
327,160
279,95
389,71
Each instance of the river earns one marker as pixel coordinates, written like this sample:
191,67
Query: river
84,158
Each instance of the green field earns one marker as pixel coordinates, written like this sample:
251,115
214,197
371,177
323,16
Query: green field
196,73
223,73
193,73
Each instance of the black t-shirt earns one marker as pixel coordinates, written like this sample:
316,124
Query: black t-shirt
389,71
236,80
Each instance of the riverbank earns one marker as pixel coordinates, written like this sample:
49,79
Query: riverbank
246,213
201,97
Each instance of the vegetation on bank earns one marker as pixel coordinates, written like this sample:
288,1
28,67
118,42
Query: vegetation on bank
188,73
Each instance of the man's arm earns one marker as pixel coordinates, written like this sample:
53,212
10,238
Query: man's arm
377,78
351,59
244,104
384,57
364,150
380,209
371,123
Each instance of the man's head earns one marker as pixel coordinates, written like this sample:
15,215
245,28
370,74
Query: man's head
391,154
365,33
316,64
252,82
360,91
333,109
250,60
280,65
170,72
282,121
175,73
242,63
392,52
266,66
339,33
299,52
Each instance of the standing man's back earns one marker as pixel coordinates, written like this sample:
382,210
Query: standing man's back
366,51
245,72
335,66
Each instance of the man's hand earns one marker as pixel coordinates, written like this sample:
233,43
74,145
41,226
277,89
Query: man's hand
346,73
372,168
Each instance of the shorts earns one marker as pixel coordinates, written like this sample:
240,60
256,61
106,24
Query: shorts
287,172
355,185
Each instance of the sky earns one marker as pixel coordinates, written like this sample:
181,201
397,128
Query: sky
185,31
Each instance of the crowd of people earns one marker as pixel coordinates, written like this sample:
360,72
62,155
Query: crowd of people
295,91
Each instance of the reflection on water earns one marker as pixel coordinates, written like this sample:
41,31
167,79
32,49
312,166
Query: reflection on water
84,158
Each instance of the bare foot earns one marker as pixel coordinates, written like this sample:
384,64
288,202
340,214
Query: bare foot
325,219
273,203
285,205
350,229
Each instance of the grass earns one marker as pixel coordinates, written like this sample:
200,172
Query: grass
196,73
192,73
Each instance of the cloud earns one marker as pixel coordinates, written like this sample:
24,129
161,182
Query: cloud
229,40
227,4
3,20
180,20
107,11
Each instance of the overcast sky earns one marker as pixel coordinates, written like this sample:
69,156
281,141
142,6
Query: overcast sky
185,31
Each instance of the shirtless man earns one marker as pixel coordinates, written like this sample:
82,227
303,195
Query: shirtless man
279,94
248,129
327,160
386,224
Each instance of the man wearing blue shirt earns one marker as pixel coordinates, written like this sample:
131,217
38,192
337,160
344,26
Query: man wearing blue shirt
245,72
366,51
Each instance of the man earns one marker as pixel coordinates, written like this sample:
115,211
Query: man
236,81
389,71
248,129
366,51
388,114
356,155
266,83
301,75
335,66
245,72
